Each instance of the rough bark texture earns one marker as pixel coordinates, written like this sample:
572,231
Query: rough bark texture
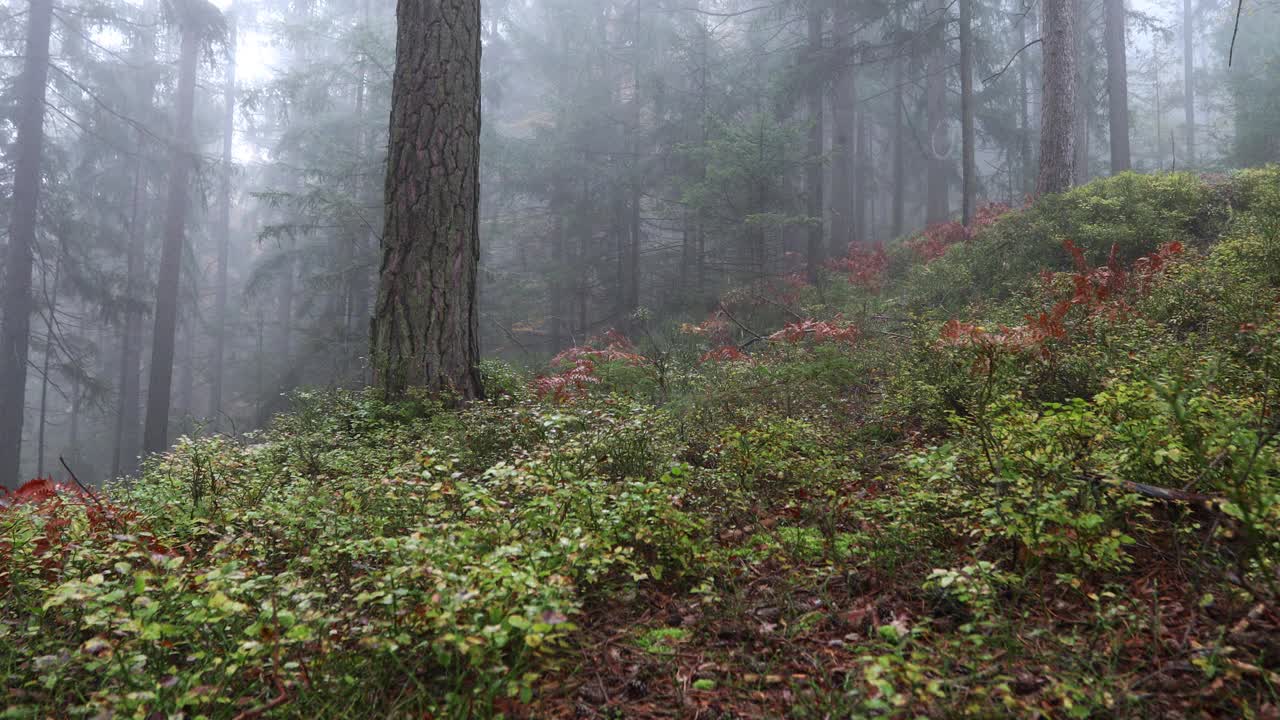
425,331
970,167
1117,86
15,326
937,203
1057,120
155,436
814,170
223,233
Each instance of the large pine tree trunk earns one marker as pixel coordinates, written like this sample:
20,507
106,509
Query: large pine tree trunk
217,369
15,325
1057,122
970,167
426,325
813,170
159,388
1117,86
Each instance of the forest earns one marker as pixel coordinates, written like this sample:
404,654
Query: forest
707,359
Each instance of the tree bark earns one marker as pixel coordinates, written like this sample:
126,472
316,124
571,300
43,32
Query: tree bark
1084,94
1024,113
899,151
425,329
15,325
1057,121
937,202
842,134
1188,81
1117,86
223,233
125,452
160,386
813,172
43,422
970,168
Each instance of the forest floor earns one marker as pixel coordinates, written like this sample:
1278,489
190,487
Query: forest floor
1024,469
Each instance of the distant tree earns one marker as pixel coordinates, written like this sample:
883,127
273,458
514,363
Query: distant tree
969,167
199,22
426,324
1117,86
1189,80
223,231
15,325
937,187
813,178
1057,121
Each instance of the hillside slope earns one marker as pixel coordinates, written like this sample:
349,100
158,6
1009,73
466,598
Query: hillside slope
1027,471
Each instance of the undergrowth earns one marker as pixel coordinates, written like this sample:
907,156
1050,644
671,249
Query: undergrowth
1028,468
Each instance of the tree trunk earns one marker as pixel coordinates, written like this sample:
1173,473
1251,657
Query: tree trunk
1188,80
970,168
937,204
842,134
899,152
43,422
126,450
15,325
1084,93
862,172
1117,86
426,328
1057,121
223,233
813,171
1024,113
156,432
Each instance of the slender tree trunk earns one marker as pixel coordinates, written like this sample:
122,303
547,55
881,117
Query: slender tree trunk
937,202
15,325
1084,94
160,386
842,134
1057,122
813,173
42,427
970,168
899,152
1188,80
1024,113
1117,86
634,229
125,453
223,231
862,173
426,327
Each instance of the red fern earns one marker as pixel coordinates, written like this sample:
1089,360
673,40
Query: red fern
818,331
726,353
864,266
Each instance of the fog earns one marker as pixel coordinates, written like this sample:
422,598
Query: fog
211,177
